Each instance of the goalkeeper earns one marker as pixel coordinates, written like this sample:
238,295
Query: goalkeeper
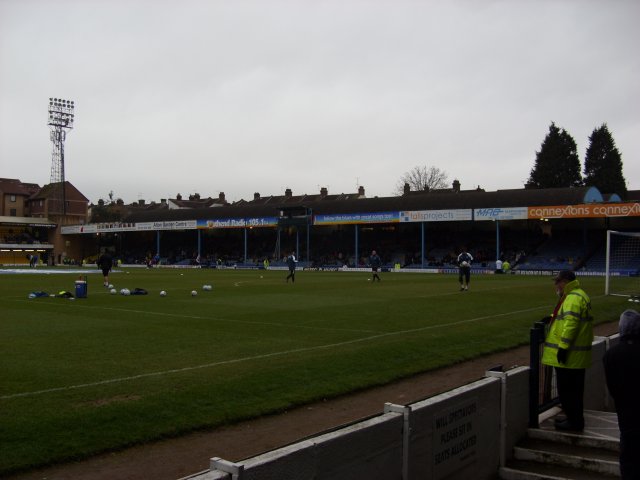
464,269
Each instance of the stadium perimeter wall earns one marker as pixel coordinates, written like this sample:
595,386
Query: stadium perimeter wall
464,433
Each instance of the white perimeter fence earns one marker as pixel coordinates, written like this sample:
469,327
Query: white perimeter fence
468,432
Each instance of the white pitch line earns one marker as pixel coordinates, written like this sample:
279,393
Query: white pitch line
217,319
46,271
266,355
479,290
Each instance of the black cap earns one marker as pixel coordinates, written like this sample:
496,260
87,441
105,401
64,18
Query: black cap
567,275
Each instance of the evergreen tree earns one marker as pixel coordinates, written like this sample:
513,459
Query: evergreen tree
557,163
603,163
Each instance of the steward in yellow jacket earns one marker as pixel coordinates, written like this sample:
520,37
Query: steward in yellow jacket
571,329
567,347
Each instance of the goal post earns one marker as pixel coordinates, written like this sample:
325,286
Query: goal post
622,264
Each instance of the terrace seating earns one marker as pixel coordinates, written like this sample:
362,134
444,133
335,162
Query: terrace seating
544,263
598,263
555,254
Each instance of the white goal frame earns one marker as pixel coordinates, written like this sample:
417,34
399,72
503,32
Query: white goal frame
608,264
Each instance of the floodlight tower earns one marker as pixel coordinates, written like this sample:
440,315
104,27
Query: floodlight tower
60,119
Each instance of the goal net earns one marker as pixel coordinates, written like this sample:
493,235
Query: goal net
623,264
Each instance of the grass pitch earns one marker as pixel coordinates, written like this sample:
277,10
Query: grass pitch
79,377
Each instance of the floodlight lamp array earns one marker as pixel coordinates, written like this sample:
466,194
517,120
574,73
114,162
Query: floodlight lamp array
61,113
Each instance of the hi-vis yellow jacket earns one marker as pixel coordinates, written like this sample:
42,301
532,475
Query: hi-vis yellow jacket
572,329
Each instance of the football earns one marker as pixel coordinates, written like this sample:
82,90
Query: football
194,293
113,291
163,293
464,264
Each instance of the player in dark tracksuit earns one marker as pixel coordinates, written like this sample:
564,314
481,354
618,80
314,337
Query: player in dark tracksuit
105,262
375,262
291,263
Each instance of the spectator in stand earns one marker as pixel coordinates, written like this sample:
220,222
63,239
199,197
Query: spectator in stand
499,266
622,370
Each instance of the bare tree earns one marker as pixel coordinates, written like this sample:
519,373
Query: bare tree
422,178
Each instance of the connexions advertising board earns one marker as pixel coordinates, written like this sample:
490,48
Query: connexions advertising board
588,210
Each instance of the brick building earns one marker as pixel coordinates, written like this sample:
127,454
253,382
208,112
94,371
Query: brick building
31,218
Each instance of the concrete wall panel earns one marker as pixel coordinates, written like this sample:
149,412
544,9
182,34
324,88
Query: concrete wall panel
609,404
517,406
294,461
455,435
370,449
595,391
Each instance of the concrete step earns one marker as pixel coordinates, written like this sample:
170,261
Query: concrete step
528,470
577,439
588,458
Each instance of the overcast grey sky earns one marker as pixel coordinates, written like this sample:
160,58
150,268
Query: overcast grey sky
257,96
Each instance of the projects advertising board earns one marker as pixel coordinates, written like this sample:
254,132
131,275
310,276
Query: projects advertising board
459,215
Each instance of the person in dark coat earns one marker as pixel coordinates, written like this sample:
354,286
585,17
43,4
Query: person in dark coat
622,370
375,262
105,262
